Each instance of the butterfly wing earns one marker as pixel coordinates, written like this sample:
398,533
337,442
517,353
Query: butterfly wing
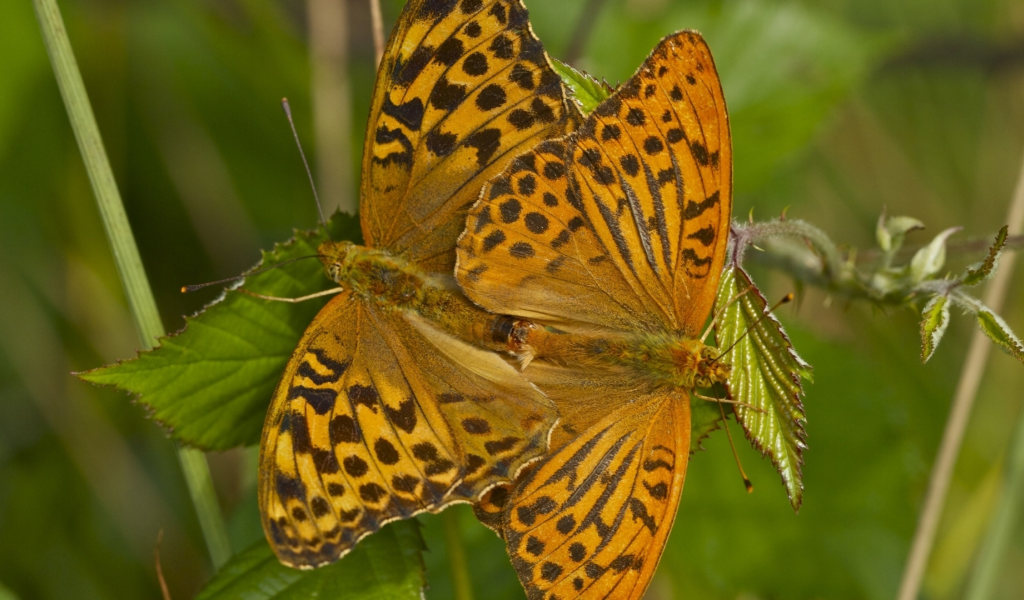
625,219
591,520
463,87
359,434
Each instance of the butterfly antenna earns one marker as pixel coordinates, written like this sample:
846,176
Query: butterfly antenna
192,288
785,299
288,113
735,454
722,311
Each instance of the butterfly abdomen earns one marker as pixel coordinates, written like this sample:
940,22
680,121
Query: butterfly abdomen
664,360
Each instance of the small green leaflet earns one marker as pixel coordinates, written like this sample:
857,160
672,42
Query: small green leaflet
766,373
929,260
210,384
999,332
585,89
891,231
935,318
386,565
983,270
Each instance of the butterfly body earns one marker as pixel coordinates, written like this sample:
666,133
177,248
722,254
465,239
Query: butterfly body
392,283
668,360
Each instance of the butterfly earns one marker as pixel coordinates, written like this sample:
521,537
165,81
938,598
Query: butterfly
394,402
608,245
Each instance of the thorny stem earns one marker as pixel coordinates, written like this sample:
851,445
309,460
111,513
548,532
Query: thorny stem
809,255
126,253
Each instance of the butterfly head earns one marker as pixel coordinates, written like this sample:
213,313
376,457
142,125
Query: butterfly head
337,258
697,365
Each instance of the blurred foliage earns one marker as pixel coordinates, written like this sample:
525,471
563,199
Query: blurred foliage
838,107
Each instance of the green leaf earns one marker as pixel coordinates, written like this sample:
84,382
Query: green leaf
999,332
385,565
210,384
983,270
891,231
766,373
935,318
585,89
929,260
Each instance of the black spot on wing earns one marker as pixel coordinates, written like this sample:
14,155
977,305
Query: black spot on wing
404,417
491,97
639,511
409,114
363,395
384,135
449,52
700,153
435,9
475,64
289,487
696,209
440,143
344,429
493,239
407,71
320,399
705,235
447,96
486,142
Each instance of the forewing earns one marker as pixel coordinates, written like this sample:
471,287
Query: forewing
529,251
464,86
649,185
654,169
591,520
359,434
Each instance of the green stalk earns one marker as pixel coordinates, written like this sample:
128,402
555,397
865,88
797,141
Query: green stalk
461,583
1000,531
126,253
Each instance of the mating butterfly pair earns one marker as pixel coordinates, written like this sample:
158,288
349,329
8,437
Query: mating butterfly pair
592,255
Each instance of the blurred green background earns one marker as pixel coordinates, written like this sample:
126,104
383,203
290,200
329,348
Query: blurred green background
838,108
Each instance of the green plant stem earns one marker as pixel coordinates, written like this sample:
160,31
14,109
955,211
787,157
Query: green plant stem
997,539
457,556
126,253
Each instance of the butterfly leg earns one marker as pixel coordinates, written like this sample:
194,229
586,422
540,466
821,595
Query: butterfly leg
728,401
329,292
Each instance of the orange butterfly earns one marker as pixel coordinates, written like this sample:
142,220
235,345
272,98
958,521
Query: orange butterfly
394,402
613,239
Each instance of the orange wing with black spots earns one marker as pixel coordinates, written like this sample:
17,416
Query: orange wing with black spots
591,520
463,88
626,219
411,420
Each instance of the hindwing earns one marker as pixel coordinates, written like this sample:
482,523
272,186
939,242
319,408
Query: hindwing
378,417
591,519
